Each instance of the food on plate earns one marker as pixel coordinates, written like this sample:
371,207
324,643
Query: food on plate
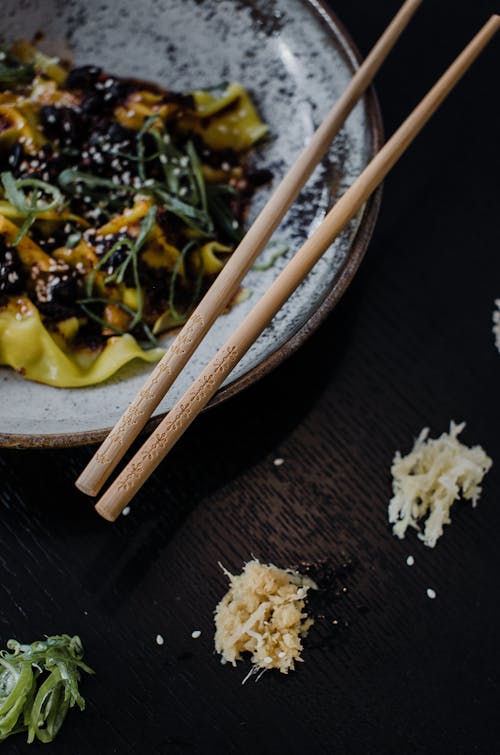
263,614
38,685
427,482
120,202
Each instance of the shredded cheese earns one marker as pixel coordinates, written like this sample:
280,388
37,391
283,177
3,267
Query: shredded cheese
496,323
263,614
431,478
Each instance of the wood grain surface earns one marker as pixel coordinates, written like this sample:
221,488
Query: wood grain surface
386,670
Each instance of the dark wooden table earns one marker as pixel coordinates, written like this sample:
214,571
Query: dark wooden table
409,346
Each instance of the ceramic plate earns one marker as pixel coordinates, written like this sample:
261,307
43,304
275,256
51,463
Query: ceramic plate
296,59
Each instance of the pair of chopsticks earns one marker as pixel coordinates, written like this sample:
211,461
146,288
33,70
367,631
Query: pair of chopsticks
204,387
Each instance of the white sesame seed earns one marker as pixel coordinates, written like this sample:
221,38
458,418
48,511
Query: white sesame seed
196,634
410,560
268,659
281,655
159,639
278,462
431,593
126,511
163,159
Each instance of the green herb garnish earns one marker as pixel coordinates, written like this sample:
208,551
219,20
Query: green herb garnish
178,317
31,204
275,252
218,199
14,71
131,258
38,685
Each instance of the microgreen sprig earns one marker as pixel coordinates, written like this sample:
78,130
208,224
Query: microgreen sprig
131,258
33,204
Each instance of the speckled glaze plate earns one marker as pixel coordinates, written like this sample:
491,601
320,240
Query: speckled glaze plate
296,59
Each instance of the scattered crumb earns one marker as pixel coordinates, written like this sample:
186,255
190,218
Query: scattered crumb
126,511
410,561
263,614
431,593
159,639
431,478
196,634
496,323
278,462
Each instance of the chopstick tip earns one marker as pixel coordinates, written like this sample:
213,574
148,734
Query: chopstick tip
104,511
86,486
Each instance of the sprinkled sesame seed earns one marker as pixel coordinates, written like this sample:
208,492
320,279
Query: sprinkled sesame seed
282,654
163,159
278,462
159,639
126,510
410,560
268,659
431,593
196,634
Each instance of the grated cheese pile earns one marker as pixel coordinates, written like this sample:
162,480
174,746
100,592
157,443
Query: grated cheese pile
263,614
431,478
496,323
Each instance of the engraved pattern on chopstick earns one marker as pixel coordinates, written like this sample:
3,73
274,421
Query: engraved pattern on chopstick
148,393
179,416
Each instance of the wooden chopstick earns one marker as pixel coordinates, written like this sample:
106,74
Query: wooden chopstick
203,388
226,284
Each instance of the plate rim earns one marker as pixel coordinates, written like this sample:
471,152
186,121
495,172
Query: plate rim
345,276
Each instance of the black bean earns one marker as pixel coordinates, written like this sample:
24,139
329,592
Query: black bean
15,156
83,77
11,270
